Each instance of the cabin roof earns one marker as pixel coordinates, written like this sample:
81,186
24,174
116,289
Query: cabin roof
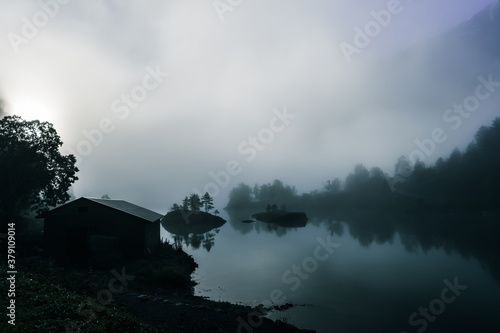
119,205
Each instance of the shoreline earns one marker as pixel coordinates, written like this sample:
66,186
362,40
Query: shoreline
149,295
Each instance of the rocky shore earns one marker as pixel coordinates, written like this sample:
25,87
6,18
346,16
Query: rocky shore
147,295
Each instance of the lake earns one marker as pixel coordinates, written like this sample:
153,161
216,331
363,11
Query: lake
371,272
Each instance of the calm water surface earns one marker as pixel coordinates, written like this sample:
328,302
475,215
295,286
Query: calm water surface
398,274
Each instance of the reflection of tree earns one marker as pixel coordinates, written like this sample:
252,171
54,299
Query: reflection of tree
236,216
193,229
271,227
464,182
472,235
208,241
469,235
178,242
335,228
451,205
195,241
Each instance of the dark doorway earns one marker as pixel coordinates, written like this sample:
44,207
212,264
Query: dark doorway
77,249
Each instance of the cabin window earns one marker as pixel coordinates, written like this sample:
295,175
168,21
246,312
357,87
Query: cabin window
83,209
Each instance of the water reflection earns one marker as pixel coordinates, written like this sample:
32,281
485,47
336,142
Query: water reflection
206,240
469,235
282,218
388,266
195,230
278,222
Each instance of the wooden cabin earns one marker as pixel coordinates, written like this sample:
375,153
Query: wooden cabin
88,229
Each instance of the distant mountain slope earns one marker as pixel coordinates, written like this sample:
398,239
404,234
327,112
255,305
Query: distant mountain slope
442,70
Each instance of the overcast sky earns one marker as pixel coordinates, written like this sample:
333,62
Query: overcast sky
154,96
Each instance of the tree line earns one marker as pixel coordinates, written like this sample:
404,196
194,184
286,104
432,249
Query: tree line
194,203
466,180
34,175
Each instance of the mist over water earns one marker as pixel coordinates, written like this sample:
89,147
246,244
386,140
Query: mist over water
382,269
150,115
377,120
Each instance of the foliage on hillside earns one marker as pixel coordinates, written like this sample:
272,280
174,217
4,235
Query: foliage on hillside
466,180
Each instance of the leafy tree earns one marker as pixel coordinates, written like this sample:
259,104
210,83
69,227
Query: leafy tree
376,173
185,204
33,174
265,193
207,202
403,167
105,197
256,192
455,159
175,207
194,202
356,180
281,192
240,196
333,186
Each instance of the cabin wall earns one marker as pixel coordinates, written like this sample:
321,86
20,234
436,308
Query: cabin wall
151,236
67,230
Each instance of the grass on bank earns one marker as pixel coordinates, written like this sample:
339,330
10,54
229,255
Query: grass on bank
52,298
43,304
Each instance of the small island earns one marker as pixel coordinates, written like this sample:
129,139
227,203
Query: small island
181,223
282,217
188,218
192,226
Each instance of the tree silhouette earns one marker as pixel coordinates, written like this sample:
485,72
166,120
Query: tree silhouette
175,207
356,180
240,196
185,204
207,201
194,202
465,182
34,175
333,186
